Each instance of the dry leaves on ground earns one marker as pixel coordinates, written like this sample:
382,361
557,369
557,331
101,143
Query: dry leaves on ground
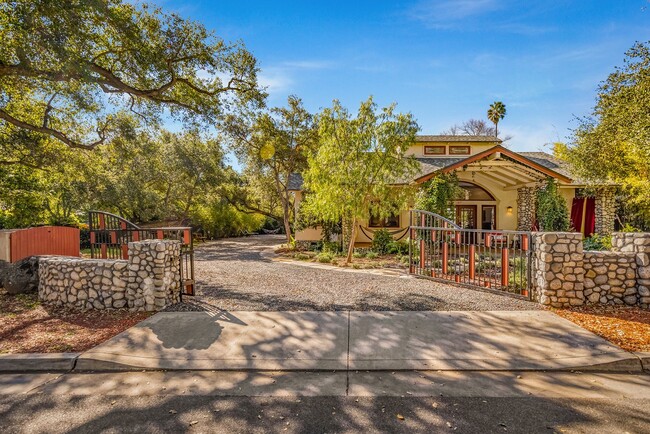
26,326
626,327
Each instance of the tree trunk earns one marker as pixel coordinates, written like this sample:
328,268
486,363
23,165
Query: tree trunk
353,236
287,226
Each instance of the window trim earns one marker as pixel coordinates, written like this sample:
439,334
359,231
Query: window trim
467,148
443,147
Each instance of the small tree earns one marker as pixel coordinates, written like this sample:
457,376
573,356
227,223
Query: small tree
552,211
358,165
438,194
273,145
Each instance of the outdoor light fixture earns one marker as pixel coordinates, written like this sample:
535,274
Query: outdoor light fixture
509,210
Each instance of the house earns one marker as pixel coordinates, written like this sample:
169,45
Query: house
499,184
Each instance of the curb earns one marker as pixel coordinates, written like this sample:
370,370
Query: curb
644,358
38,362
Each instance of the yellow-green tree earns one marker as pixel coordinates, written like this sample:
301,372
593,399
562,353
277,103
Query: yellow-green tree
613,144
272,145
360,167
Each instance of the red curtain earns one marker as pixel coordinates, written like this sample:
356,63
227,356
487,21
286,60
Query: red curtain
583,215
576,213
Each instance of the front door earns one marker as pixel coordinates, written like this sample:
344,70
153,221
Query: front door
466,219
466,216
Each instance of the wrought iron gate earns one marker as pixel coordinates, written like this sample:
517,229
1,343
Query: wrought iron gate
110,235
441,250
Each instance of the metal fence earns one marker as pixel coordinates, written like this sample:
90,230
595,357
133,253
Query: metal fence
110,235
441,250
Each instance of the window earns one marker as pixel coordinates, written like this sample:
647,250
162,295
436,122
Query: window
435,150
388,222
473,192
459,150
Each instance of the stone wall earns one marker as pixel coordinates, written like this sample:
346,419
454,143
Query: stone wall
638,244
558,269
564,275
605,210
610,278
149,280
526,198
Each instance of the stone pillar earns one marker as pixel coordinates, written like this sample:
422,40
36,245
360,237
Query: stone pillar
558,269
639,244
605,210
154,279
526,198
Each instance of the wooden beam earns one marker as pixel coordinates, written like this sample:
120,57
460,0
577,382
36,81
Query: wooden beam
518,186
506,179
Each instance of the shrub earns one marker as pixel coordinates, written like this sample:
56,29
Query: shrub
552,211
380,241
398,247
324,258
629,228
597,242
358,254
371,255
330,247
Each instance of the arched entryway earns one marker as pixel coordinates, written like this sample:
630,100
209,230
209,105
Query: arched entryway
477,207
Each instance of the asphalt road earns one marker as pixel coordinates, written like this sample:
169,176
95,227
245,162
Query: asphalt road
186,402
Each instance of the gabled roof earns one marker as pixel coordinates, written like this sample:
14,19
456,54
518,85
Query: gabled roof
295,181
541,163
501,151
454,138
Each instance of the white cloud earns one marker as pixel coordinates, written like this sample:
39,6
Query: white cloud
308,64
447,13
474,15
532,137
275,79
282,76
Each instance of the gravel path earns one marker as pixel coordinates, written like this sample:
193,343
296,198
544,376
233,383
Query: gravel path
241,274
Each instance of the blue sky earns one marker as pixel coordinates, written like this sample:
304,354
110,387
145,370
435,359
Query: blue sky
445,61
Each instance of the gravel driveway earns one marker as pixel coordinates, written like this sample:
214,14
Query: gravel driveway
244,274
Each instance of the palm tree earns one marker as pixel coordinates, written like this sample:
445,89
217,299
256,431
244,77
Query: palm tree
495,113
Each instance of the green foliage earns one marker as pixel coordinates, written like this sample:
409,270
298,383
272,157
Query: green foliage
381,240
352,175
597,242
629,228
438,194
71,68
552,211
220,219
325,258
273,145
613,144
372,255
398,248
359,254
331,247
518,273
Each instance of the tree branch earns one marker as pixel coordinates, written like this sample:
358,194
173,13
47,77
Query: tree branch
54,133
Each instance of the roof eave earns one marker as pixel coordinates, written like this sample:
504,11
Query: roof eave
498,148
